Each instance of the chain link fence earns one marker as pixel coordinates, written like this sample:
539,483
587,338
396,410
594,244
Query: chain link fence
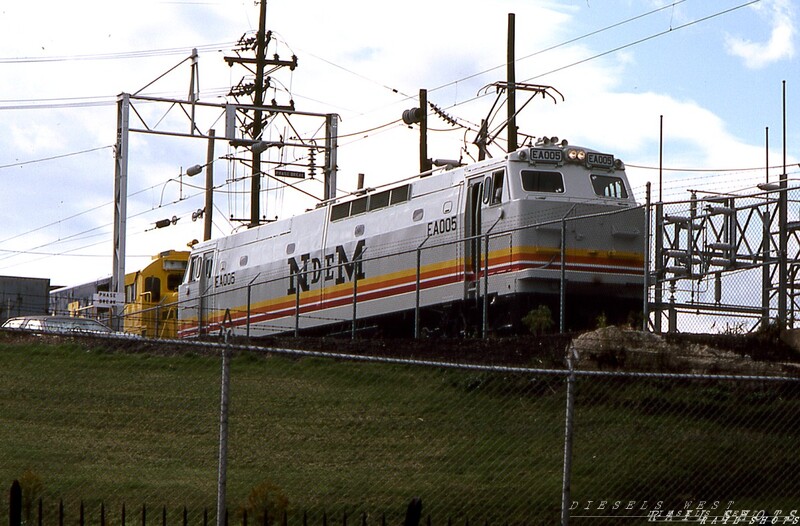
129,430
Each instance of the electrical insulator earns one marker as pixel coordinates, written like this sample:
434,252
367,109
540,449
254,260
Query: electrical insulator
161,223
412,116
312,167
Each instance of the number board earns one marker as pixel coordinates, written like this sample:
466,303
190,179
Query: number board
601,160
545,155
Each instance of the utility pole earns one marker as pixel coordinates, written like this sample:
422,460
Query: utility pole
420,116
120,205
209,197
424,162
261,82
508,88
258,101
194,88
331,149
511,82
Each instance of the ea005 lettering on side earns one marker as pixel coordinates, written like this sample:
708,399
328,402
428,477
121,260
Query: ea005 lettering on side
223,280
442,226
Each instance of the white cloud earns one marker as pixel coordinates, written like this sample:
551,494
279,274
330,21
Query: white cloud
780,45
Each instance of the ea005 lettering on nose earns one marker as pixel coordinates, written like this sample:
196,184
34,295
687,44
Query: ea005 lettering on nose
442,226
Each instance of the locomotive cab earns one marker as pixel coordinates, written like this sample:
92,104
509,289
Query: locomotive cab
556,170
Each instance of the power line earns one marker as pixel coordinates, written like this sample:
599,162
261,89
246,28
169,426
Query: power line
88,101
727,170
598,55
562,44
567,42
123,55
106,101
645,39
62,156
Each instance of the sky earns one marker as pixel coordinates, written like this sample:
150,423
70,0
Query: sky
709,77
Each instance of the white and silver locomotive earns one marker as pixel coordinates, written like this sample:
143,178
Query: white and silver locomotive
545,222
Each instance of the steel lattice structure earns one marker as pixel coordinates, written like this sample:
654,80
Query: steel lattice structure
725,256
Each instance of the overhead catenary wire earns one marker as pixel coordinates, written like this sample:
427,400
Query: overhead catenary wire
645,39
727,170
54,157
561,44
122,55
35,250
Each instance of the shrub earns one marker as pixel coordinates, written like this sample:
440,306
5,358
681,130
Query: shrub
539,320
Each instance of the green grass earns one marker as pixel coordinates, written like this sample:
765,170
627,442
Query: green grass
360,437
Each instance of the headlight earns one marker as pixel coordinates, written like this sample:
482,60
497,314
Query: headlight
576,155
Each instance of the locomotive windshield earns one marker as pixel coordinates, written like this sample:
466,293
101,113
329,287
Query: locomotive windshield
542,181
609,186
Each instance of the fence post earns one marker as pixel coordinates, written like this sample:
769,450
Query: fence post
413,512
417,329
297,310
766,279
658,286
15,504
563,280
646,295
485,313
249,300
223,434
567,480
355,303
158,319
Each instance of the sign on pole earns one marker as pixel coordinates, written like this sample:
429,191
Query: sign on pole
105,299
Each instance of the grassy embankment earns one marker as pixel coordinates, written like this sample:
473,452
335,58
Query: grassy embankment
351,437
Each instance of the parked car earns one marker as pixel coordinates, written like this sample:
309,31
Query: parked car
57,325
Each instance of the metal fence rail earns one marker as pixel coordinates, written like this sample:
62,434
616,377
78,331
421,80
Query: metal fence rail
137,422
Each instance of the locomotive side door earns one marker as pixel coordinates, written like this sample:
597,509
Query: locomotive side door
472,231
484,195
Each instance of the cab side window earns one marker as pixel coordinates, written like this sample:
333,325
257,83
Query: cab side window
152,285
608,186
194,269
493,188
497,186
207,264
